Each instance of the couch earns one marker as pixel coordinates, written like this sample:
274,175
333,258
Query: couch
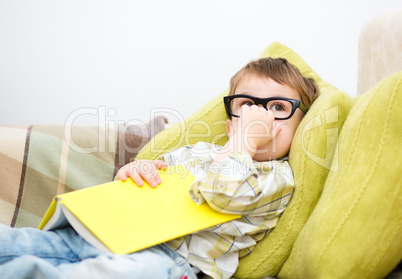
345,218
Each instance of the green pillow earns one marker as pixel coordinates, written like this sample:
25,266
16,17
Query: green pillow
208,124
312,149
355,230
310,157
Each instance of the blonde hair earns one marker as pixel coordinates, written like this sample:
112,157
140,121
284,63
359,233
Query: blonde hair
281,71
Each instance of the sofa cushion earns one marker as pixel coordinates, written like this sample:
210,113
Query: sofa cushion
355,230
311,154
312,149
379,51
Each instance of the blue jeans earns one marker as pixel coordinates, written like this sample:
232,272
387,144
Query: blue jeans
31,253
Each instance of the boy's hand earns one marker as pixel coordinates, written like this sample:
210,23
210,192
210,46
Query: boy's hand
255,127
142,170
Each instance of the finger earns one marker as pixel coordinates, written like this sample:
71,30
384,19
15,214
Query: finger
150,174
270,115
276,128
160,165
245,109
133,172
263,110
137,178
121,176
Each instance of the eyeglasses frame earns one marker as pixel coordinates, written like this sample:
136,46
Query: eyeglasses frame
263,101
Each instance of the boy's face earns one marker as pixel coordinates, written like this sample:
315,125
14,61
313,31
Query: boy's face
285,129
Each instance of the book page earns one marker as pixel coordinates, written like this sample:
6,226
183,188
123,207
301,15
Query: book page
54,220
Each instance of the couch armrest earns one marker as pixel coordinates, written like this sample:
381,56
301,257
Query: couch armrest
380,49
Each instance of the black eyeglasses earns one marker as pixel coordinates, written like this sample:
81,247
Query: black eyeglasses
283,108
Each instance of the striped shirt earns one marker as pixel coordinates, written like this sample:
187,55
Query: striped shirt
259,191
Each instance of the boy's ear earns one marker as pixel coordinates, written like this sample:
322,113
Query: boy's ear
228,127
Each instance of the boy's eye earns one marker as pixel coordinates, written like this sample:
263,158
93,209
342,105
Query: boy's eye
246,102
277,107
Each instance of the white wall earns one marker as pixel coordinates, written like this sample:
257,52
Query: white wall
120,59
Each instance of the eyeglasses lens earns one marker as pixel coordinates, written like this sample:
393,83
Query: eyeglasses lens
280,108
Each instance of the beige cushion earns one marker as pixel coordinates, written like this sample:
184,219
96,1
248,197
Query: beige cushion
380,49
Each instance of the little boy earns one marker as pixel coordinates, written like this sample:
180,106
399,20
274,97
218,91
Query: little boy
248,176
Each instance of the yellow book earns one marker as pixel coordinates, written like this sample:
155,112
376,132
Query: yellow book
123,218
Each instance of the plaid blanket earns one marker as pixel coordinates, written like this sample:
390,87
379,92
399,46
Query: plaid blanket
38,162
